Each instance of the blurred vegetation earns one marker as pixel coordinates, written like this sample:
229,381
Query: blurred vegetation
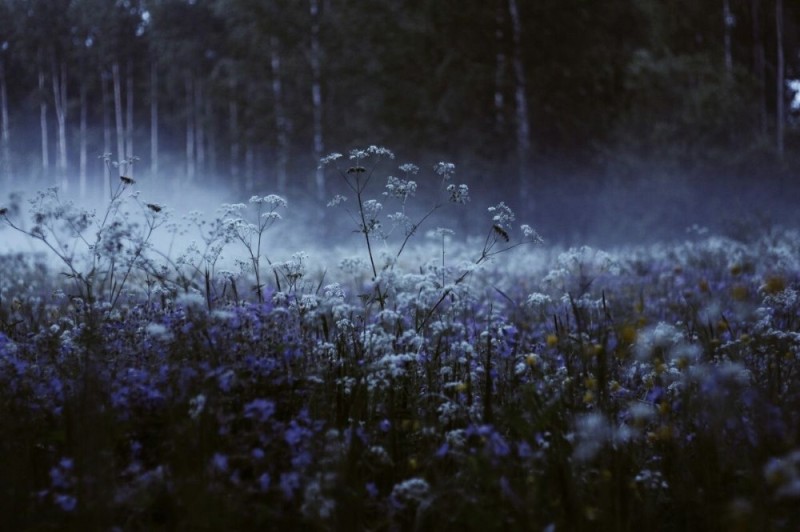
619,88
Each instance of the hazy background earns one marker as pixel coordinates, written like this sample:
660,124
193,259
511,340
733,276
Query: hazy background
598,122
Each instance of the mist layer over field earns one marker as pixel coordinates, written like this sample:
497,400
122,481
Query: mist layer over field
567,211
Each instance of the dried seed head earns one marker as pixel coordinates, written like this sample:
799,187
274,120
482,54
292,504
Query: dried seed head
3,211
502,233
154,207
356,170
126,180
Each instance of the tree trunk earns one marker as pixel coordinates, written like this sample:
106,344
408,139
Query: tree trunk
129,114
780,113
106,134
316,100
500,68
759,65
249,166
199,128
523,124
728,22
233,132
82,156
43,125
190,161
153,122
5,136
281,122
211,136
118,113
59,79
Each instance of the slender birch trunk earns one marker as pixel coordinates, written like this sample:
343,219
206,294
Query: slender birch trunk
281,122
59,79
249,166
82,155
316,99
211,135
233,132
154,122
129,114
190,156
118,112
780,111
106,133
759,65
520,91
500,68
43,125
199,127
728,23
5,135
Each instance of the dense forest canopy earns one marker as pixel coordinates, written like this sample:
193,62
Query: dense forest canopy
250,93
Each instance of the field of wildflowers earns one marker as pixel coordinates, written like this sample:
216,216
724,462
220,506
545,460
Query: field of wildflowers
481,384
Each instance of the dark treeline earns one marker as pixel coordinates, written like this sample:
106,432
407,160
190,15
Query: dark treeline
250,93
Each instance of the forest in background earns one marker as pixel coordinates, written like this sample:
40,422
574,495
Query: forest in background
249,94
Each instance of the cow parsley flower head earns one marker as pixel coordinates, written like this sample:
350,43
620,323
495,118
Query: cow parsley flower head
358,154
502,215
538,300
446,170
400,188
409,492
380,151
458,194
333,291
329,159
372,210
337,200
530,234
409,168
441,232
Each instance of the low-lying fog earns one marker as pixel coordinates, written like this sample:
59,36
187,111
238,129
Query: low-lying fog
566,212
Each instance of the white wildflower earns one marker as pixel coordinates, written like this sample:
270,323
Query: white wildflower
409,492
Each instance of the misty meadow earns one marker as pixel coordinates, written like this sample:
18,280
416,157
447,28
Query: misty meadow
479,383
565,296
